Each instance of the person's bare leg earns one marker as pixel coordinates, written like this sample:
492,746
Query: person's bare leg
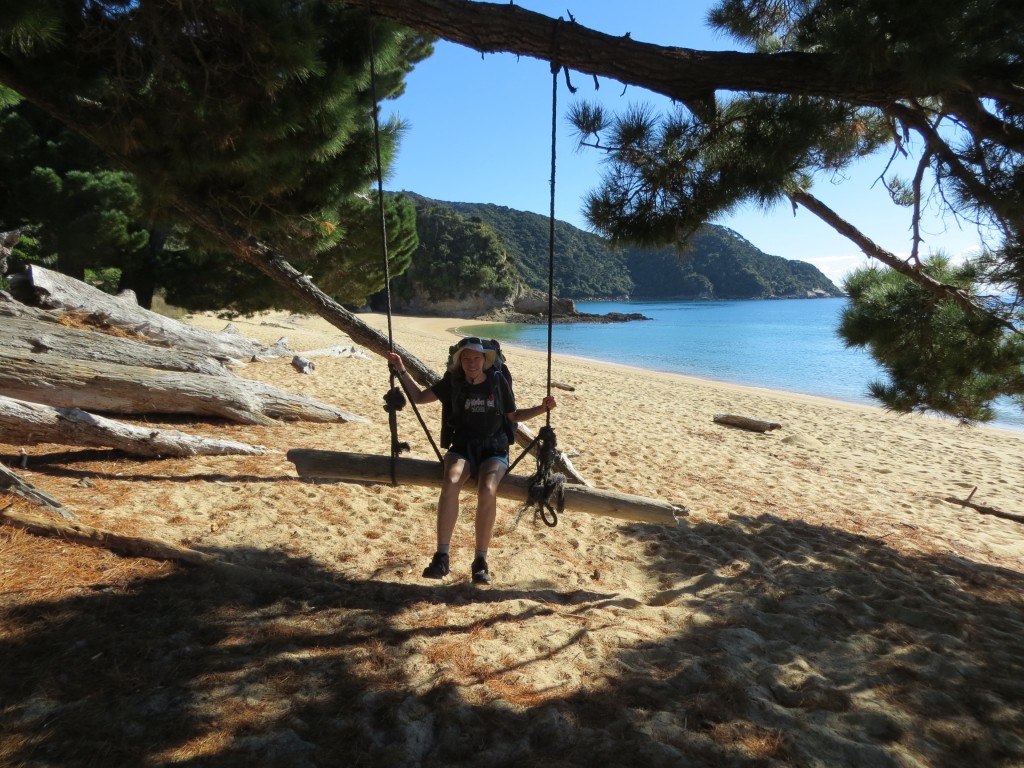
456,473
491,474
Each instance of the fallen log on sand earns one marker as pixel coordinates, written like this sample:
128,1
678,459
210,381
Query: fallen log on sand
984,509
23,423
25,335
361,467
127,389
745,422
56,291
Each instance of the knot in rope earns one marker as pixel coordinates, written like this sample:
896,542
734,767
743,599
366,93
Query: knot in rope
546,493
394,401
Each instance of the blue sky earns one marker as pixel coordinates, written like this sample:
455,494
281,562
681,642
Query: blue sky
480,131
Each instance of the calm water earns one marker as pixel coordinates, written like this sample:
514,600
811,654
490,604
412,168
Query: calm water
788,345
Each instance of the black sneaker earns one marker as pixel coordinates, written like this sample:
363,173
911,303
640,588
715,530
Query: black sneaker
438,567
481,575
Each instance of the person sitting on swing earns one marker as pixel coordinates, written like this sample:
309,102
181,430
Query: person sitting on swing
479,443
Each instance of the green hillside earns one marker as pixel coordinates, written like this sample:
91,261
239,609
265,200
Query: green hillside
718,262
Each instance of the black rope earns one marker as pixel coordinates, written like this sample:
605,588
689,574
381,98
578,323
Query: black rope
546,493
394,400
551,220
419,416
380,190
526,450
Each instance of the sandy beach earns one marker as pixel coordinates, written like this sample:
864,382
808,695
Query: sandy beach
824,603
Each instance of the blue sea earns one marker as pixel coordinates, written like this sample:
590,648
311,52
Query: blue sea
788,345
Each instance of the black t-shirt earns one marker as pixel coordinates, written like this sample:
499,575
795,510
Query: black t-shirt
478,416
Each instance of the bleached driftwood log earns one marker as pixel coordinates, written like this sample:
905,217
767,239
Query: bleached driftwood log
11,307
26,335
302,365
23,423
341,350
361,467
125,389
11,483
56,291
745,422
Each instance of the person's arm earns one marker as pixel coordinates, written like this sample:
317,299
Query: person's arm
417,395
525,414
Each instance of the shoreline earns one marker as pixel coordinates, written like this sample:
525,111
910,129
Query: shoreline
1002,427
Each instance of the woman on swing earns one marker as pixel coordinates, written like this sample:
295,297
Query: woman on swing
479,446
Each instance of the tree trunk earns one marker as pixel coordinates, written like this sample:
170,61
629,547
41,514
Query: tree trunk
359,467
112,388
23,423
682,74
25,336
56,291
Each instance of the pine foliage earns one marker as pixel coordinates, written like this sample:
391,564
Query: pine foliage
256,111
937,355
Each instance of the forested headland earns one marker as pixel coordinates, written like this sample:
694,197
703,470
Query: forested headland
478,250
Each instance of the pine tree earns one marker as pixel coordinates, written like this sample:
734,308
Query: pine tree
350,271
937,355
82,213
256,111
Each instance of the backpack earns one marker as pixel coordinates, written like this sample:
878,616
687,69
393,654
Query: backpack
448,409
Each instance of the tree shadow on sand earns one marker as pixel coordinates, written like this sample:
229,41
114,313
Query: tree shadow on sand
793,644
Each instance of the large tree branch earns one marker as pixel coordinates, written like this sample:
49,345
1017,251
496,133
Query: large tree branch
871,249
682,74
937,146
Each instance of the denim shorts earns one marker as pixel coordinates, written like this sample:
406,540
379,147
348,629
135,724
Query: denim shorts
503,457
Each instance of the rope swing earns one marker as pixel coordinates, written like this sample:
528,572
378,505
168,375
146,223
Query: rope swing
546,495
546,487
545,491
395,398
